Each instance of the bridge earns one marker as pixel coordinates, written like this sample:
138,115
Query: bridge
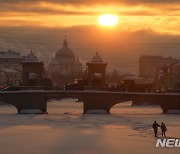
92,100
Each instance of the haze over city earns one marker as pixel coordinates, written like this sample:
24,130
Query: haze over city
145,27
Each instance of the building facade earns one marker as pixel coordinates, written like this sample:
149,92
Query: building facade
96,71
10,59
150,65
64,66
9,77
32,71
65,62
175,76
10,68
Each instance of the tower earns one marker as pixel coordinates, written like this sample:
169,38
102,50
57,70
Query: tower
96,70
32,71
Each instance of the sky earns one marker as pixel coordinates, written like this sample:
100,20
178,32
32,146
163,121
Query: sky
145,27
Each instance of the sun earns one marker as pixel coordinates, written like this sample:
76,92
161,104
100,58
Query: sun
108,20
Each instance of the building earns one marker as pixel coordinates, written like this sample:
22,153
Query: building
168,77
10,77
33,73
10,68
150,65
32,70
175,76
64,64
10,59
96,70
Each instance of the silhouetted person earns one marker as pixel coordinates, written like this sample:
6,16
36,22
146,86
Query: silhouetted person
155,127
163,129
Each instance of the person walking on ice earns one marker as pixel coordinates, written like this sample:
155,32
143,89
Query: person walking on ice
155,127
163,129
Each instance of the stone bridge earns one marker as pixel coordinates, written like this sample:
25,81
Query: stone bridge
92,100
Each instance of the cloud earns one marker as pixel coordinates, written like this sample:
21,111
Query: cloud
93,7
82,2
134,15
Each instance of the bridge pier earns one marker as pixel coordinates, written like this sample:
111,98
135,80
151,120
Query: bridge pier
26,103
95,107
93,104
99,102
33,103
168,106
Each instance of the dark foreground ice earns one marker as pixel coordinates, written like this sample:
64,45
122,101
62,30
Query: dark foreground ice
66,130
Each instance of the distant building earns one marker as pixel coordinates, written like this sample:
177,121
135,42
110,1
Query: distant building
150,65
175,75
33,73
64,64
10,77
10,68
32,70
10,59
169,77
96,71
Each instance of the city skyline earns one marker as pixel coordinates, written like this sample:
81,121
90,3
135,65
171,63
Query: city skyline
144,28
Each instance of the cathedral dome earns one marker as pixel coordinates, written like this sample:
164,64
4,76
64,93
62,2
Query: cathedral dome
65,52
65,62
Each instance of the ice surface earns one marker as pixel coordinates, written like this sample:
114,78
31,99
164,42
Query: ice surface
65,130
173,112
97,112
30,111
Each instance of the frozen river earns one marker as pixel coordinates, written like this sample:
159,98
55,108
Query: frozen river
66,130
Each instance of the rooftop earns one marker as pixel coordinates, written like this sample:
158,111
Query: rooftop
97,59
10,54
31,57
8,70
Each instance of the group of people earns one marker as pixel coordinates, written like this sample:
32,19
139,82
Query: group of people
162,126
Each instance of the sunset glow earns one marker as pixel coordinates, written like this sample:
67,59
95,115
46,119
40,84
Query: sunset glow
108,20
161,18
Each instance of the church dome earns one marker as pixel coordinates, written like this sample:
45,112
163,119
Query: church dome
65,62
97,59
65,52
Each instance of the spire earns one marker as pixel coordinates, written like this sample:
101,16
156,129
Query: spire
65,43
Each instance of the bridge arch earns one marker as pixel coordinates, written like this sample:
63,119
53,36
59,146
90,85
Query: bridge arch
126,108
105,101
7,108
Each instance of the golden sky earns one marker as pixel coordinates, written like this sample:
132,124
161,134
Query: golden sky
161,16
146,27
